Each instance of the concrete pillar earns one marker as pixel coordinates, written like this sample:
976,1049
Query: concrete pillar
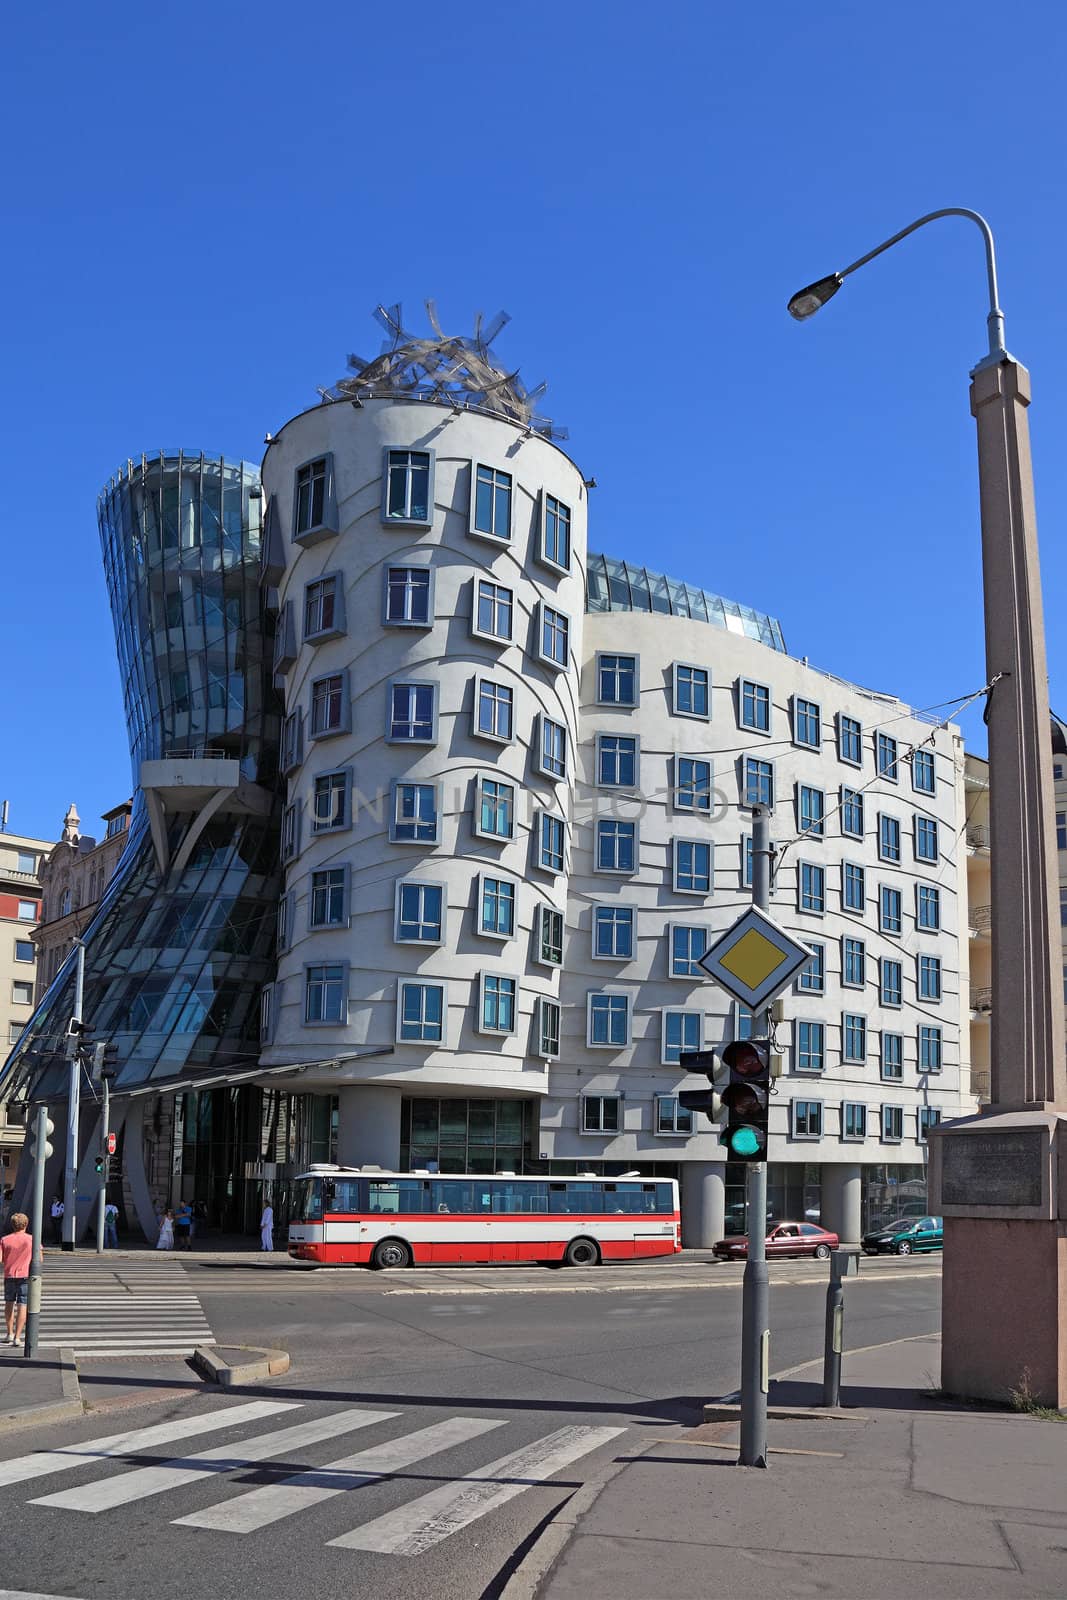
368,1126
703,1195
841,1209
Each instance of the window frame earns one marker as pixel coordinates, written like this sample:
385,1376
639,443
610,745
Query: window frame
818,829
929,975
853,1025
810,706
431,594
395,788
593,995
477,631
848,954
326,526
601,1132
338,627
500,879
544,607
483,679
392,686
925,756
811,867
673,1132
612,906
813,1031
891,999
687,927
818,955
807,1136
887,850
420,884
316,735
484,979
897,1112
927,894
926,1117
692,667
544,723
600,823
474,532
667,1055
542,555
677,841
542,1049
770,776
417,982
345,774
920,827
851,799
930,1033
618,655
545,910
885,924
480,781
744,684
849,728
388,451
340,1021
291,831
546,815
891,1070
853,1137
677,787
884,744
344,869
600,740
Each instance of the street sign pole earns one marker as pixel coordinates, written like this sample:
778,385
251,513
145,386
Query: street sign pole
41,1151
105,1154
755,1312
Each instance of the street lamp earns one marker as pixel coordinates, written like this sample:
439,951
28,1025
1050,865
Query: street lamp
999,1169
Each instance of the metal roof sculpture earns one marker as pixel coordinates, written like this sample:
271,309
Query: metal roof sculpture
458,371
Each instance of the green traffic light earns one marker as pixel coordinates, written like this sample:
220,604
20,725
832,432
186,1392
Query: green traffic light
745,1142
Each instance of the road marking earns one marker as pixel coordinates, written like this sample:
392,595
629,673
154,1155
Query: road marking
25,1594
123,1488
43,1462
249,1512
412,1528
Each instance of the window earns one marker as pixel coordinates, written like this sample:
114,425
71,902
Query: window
325,999
493,609
746,861
290,832
671,1117
616,761
744,1021
811,1046
323,607
759,782
681,1031
311,502
926,843
497,916
687,945
616,680
892,1065
930,1048
890,913
811,810
807,1119
852,813
929,977
892,1124
928,1117
23,950
890,982
420,913
888,838
608,1021
600,1113
492,504
494,815
853,1120
812,887
409,597
421,1013
292,752
886,757
692,866
691,691
415,818
408,491
494,710
807,729
330,801
553,636
927,906
812,979
548,946
497,1008
551,842
755,700
922,771
21,993
266,1013
552,748
613,933
412,713
616,845
692,785
285,922
329,705
25,861
853,963
1061,830
556,534
853,1037
64,904
548,1028
329,894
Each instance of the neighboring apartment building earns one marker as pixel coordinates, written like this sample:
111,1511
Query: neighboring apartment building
20,904
74,874
980,920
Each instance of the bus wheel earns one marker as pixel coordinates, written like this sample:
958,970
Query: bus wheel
581,1253
390,1253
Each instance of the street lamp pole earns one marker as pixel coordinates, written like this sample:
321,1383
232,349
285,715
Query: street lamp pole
1005,1173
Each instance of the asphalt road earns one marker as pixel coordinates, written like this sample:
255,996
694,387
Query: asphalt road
431,1377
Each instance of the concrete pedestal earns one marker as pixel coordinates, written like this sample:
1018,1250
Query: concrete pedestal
368,1126
841,1210
703,1197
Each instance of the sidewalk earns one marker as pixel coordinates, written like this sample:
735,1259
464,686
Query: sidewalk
44,1389
907,1495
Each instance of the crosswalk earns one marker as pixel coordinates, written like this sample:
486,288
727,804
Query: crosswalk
128,1308
410,1528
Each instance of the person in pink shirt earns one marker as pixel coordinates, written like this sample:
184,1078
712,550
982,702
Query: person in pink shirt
16,1249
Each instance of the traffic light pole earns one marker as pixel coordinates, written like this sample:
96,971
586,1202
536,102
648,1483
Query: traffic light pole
33,1288
70,1183
755,1315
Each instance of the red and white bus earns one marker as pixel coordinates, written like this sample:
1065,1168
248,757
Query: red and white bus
366,1217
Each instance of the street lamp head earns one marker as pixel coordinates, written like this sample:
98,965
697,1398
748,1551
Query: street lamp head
807,301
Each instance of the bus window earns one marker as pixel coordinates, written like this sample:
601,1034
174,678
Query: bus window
460,1195
519,1198
307,1201
572,1199
346,1195
664,1198
397,1195
634,1199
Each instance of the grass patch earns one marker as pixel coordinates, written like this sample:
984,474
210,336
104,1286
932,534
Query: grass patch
1022,1400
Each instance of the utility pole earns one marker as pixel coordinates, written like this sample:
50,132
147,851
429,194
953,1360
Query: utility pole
755,1315
103,1072
70,1185
42,1127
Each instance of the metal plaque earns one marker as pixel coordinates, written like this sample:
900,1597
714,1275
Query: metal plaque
993,1169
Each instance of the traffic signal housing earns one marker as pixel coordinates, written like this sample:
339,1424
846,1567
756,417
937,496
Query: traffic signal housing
745,1099
708,1100
49,1129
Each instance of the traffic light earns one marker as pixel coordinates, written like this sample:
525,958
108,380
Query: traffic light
99,1166
105,1059
707,1100
49,1129
746,1099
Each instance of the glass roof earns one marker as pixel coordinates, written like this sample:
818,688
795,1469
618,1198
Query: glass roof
613,585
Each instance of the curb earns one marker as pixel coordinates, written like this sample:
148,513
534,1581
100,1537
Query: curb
726,1411
531,1572
46,1411
271,1364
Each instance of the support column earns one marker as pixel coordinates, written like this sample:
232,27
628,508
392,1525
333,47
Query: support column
368,1126
841,1210
703,1186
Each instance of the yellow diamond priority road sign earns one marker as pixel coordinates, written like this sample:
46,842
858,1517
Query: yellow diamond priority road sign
755,959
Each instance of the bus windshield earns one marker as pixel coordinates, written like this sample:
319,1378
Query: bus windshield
307,1200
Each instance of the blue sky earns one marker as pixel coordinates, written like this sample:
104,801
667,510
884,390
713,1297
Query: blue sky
205,203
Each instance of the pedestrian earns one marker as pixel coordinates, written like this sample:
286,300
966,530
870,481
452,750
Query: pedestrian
183,1222
166,1232
111,1226
16,1250
266,1227
58,1209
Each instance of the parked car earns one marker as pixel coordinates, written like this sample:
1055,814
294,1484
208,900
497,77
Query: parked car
784,1239
904,1235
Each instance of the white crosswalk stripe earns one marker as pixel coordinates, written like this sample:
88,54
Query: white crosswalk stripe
121,1308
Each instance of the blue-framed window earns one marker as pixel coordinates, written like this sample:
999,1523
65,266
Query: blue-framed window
413,712
325,998
409,596
498,1003
746,860
408,486
927,1117
811,1046
892,1124
492,503
811,810
806,1119
890,909
556,534
812,887
688,944
692,785
807,723
330,712
931,1048
672,1118
892,1058
927,905
415,815
554,636
923,778
328,906
616,760
324,607
853,963
692,866
553,748
929,977
548,944
616,680
890,982
551,842
852,813
494,712
613,933
497,917
812,979
608,1020
744,1021
853,1036
926,840
1061,830
850,740
886,757
311,499
755,705
853,887
853,1120
616,845
420,912
682,1030
331,801
495,813
421,1013
549,1019
494,609
692,688
888,837
759,782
